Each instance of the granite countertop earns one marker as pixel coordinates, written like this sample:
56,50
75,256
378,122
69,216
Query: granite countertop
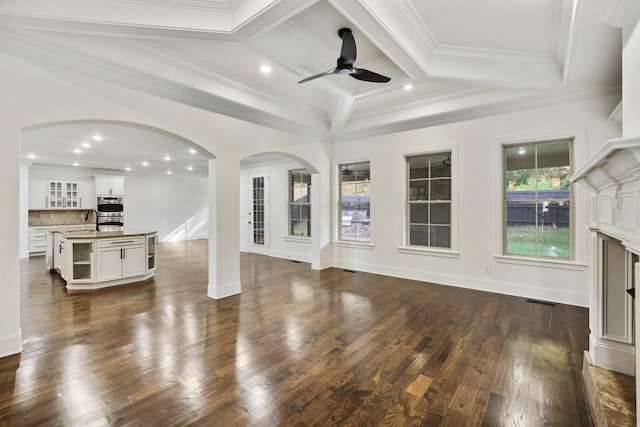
93,234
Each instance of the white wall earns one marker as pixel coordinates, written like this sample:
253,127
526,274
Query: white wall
479,200
39,97
176,207
631,79
280,244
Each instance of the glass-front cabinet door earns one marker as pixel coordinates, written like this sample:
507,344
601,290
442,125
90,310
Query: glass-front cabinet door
63,195
71,195
55,198
81,260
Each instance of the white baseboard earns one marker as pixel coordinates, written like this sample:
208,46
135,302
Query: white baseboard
295,256
322,264
614,356
467,282
222,291
11,344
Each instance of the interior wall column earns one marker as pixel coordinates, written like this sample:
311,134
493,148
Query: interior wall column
10,334
321,221
224,223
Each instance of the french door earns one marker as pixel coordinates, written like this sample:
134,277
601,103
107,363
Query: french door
259,210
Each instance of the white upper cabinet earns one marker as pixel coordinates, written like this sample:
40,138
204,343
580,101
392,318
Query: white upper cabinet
38,194
86,195
56,194
110,186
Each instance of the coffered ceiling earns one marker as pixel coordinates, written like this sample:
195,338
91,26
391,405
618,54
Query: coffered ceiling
463,59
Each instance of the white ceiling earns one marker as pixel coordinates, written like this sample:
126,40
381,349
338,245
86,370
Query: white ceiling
464,59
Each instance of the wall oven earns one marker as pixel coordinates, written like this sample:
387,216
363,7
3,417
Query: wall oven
110,213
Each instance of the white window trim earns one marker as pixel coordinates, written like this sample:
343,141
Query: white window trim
336,205
297,239
403,185
288,236
579,206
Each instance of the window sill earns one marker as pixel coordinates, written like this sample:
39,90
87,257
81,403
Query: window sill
428,251
355,244
297,239
538,262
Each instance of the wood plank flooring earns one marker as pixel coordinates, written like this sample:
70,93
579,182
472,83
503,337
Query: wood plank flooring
297,348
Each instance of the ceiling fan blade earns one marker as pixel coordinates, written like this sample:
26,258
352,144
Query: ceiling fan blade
368,76
326,73
348,52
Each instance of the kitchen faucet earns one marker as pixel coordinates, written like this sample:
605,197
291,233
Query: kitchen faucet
86,217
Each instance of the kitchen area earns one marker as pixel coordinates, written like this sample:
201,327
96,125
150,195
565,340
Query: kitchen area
79,227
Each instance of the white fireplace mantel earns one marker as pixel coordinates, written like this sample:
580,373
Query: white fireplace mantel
613,175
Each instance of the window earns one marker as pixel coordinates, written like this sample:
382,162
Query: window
429,200
299,203
537,199
355,202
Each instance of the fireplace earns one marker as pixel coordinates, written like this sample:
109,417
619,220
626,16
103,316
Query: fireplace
612,176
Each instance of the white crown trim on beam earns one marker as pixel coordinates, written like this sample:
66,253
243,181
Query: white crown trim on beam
185,15
51,57
413,37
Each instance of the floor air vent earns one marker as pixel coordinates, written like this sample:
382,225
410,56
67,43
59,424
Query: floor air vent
535,301
296,261
348,271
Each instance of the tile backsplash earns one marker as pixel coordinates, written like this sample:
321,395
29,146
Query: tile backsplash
59,217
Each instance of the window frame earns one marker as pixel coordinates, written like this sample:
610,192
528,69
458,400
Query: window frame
338,240
503,256
291,203
406,247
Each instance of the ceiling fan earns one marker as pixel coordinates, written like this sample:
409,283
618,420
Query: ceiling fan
345,62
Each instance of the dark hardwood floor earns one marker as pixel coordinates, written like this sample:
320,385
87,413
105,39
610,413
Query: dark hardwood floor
297,347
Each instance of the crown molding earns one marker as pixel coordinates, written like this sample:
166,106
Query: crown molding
434,59
142,17
226,6
51,57
165,55
616,114
479,111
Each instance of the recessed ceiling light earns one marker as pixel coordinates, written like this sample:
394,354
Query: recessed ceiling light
77,151
167,158
190,168
86,145
31,156
76,164
145,163
169,172
265,69
192,151
522,150
97,137
127,169
408,86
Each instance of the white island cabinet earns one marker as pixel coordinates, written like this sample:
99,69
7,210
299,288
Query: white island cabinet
121,258
98,259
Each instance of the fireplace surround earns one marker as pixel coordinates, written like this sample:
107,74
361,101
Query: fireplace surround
612,177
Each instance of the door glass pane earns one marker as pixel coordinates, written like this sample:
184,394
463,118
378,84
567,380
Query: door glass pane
258,210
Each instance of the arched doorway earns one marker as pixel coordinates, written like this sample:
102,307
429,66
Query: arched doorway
280,206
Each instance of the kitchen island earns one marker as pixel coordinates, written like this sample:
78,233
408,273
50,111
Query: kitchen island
88,259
